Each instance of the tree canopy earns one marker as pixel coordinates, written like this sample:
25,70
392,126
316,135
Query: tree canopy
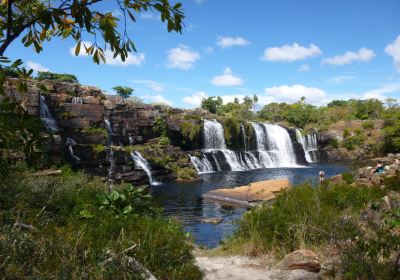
122,91
40,20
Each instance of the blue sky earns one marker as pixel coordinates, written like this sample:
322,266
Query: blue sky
280,50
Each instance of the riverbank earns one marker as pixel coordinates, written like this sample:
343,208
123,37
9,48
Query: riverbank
351,230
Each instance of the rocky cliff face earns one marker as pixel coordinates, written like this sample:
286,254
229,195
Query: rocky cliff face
84,140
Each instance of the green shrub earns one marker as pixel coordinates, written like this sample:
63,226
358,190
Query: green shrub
98,148
186,174
68,78
346,133
231,132
160,127
302,217
190,129
84,232
164,141
94,130
368,125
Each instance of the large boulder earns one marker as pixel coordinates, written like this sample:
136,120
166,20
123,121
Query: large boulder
301,259
254,192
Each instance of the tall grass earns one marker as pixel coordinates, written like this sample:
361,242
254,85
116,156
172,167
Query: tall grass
73,236
303,217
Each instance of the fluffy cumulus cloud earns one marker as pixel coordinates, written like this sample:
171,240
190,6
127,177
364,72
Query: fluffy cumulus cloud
132,59
362,55
394,51
294,93
289,53
225,42
157,99
304,68
195,99
227,79
181,57
36,67
153,85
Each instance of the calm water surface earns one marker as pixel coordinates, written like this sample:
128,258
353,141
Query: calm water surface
183,202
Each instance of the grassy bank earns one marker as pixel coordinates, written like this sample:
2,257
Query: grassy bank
72,227
328,220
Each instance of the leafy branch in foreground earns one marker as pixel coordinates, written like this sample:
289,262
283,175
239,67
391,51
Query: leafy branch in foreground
42,20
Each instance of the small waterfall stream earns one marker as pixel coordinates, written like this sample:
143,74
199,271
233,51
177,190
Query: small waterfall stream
70,143
310,145
274,148
142,163
110,152
46,116
77,100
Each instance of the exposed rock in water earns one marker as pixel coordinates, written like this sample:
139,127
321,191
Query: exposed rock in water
248,195
213,221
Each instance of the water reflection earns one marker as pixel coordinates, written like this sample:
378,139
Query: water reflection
183,202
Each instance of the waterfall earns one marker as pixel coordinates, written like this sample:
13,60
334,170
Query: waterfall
274,148
280,145
213,135
201,165
77,100
46,116
244,137
110,152
310,145
70,143
145,166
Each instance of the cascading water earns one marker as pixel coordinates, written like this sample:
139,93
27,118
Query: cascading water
77,100
280,145
46,116
244,137
142,163
110,152
310,145
274,148
70,143
213,135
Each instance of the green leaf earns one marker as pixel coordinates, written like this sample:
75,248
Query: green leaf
114,195
78,48
128,209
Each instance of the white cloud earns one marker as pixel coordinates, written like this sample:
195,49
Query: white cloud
362,55
200,2
289,53
36,67
394,51
195,99
294,93
157,99
380,93
225,42
182,57
340,79
155,86
304,68
132,59
227,79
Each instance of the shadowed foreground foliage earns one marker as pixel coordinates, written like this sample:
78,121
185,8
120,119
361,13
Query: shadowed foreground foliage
82,231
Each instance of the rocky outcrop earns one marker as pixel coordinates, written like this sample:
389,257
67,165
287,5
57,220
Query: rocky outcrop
250,194
301,259
83,139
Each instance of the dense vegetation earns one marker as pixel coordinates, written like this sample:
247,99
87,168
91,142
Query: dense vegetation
68,78
326,219
72,227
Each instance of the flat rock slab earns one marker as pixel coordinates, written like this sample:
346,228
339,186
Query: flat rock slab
251,194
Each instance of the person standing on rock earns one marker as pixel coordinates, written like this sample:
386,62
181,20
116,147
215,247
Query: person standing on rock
321,176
